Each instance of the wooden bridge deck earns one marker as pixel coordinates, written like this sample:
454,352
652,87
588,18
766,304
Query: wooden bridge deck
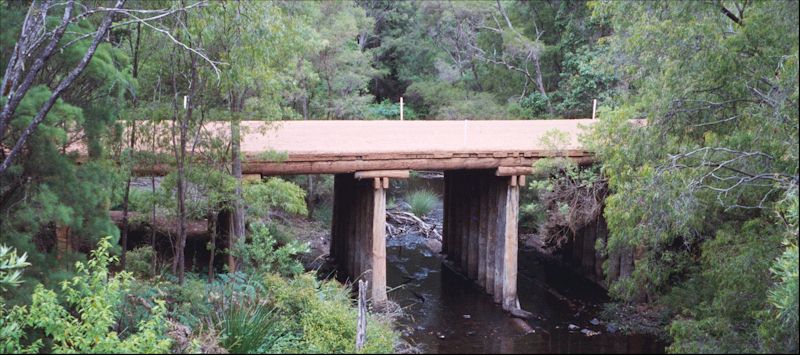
331,147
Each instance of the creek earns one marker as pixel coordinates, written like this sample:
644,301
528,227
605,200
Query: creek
445,313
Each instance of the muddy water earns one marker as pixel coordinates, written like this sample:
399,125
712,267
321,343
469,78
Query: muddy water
447,314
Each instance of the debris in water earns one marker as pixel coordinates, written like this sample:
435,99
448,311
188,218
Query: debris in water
441,336
589,333
573,327
594,321
523,326
467,316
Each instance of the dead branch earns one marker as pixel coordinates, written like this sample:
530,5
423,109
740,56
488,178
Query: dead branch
401,222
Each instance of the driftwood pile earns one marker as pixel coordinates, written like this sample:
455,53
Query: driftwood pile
402,222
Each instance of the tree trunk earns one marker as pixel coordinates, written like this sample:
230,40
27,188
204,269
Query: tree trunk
236,169
184,130
310,196
123,239
212,244
16,63
12,103
475,74
540,82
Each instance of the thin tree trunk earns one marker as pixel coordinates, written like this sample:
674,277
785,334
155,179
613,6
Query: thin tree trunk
153,223
182,172
231,240
123,239
9,108
124,233
17,62
153,216
540,82
236,169
212,244
475,74
310,196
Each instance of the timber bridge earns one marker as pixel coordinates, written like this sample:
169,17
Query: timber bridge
484,164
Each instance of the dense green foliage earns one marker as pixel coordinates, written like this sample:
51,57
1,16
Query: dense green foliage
94,296
705,190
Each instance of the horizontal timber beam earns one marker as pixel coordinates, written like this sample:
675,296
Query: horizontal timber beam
292,166
397,174
513,170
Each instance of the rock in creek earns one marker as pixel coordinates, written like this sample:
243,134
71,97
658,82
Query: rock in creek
433,245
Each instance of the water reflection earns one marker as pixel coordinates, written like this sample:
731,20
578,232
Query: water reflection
447,314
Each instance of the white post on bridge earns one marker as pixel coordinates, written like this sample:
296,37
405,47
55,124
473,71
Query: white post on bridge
594,108
401,108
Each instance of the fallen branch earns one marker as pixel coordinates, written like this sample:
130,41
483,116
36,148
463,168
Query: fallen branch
400,222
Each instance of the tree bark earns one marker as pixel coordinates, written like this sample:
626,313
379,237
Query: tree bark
17,62
10,106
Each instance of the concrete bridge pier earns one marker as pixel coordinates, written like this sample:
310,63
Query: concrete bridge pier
358,228
480,230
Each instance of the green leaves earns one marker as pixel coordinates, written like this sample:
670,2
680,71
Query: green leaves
265,255
697,186
274,193
11,267
94,297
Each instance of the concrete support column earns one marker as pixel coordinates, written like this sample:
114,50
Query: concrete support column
480,230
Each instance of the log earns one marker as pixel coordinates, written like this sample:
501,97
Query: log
164,225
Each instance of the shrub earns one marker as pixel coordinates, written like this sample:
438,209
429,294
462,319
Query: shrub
535,104
265,254
422,202
11,322
249,326
274,193
93,297
389,110
140,261
320,317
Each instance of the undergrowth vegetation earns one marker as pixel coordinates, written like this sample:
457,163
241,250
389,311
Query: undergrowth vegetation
422,202
273,307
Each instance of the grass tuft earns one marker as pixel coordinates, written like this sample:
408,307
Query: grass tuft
422,202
